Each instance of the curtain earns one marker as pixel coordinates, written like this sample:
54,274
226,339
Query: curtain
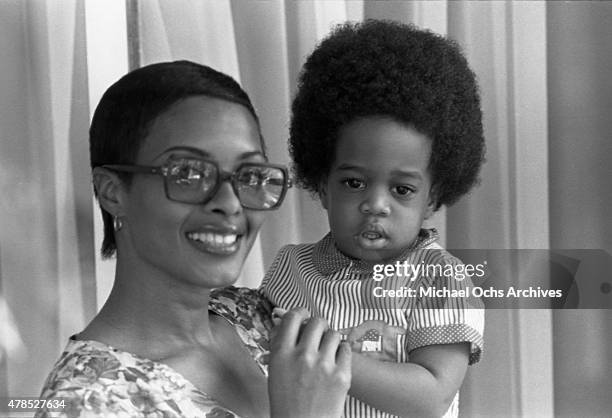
580,150
546,95
47,270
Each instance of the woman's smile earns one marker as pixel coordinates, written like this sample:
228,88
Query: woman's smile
224,241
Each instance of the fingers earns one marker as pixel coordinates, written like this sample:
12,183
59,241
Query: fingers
329,344
289,330
310,339
317,336
311,335
343,357
277,315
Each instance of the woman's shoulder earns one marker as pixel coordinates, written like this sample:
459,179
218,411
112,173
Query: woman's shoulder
93,379
82,364
240,304
90,376
251,314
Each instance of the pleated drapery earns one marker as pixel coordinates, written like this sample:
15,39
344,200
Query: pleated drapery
543,70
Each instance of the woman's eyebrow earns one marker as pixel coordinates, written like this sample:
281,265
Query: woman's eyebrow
205,154
183,148
252,154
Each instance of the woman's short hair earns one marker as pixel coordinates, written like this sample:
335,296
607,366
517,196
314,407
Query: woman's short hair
128,108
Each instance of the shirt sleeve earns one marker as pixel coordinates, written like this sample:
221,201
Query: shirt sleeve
273,272
278,276
243,306
91,384
445,312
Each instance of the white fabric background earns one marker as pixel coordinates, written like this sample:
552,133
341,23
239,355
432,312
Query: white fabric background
543,69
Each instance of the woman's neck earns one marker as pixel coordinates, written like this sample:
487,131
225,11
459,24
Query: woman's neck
152,315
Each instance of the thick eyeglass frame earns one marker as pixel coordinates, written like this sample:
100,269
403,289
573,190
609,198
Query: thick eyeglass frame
222,176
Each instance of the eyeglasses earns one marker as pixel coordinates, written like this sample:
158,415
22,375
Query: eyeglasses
259,186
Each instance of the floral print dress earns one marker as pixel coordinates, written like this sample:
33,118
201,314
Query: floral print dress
97,380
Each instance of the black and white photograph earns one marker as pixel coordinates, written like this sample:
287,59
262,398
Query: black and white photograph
305,208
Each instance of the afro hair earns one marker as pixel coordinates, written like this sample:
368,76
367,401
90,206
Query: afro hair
385,68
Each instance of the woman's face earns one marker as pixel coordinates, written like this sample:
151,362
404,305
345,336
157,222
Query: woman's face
200,244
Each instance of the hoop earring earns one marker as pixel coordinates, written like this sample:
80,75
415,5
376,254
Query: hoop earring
117,223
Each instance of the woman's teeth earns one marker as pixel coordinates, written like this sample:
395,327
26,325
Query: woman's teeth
213,239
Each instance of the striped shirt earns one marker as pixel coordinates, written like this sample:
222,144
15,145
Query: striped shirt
387,314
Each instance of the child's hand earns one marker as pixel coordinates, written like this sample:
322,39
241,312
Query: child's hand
375,339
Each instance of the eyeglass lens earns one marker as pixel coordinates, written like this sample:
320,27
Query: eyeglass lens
259,187
193,181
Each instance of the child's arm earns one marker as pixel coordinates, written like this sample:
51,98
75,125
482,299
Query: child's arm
424,387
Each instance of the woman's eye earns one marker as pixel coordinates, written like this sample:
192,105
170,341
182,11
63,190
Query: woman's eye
354,184
186,174
403,191
189,175
251,178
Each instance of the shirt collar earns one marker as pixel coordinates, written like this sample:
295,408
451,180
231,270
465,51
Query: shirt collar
328,259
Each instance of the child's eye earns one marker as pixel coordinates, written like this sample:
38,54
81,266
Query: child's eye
403,191
354,184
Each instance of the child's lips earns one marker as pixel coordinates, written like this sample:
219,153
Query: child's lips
374,230
372,237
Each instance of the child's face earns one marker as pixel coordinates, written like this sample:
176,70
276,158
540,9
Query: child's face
377,193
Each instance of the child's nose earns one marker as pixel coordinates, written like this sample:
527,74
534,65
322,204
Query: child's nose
376,203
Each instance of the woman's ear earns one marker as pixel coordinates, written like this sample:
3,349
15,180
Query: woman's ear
108,187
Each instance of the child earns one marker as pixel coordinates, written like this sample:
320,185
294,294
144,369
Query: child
386,128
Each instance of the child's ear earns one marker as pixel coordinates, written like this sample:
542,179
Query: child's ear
431,205
322,192
108,187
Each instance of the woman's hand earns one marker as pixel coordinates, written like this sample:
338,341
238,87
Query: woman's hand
310,369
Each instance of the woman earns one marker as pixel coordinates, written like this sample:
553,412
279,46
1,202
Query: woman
183,182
